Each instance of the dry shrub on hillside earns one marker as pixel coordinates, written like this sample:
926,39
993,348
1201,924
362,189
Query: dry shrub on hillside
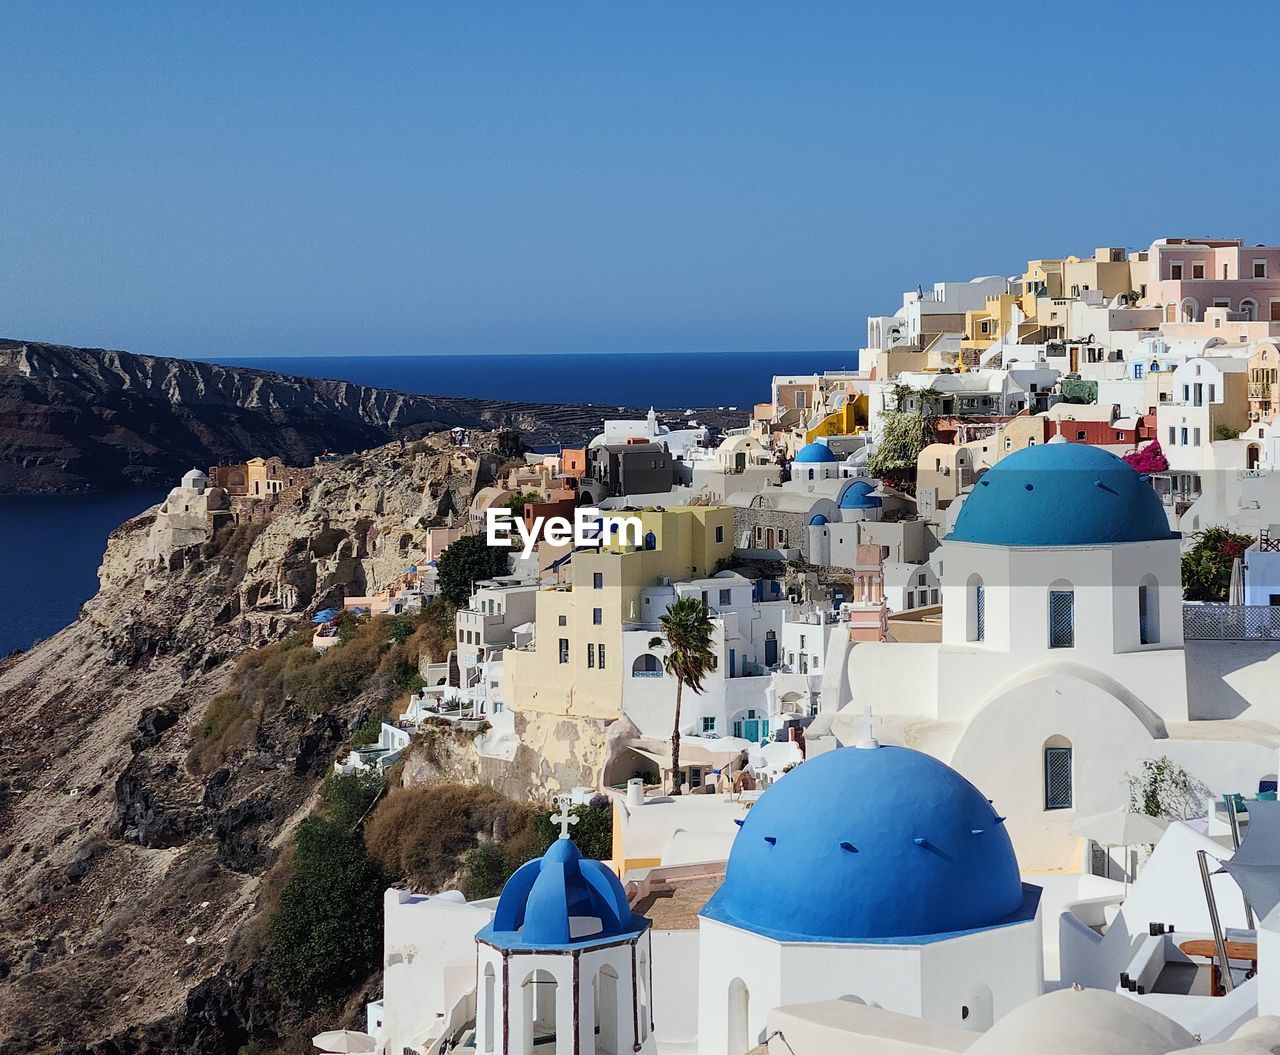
423,835
434,637
289,676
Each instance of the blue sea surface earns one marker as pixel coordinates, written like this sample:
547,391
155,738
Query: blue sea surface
661,379
53,545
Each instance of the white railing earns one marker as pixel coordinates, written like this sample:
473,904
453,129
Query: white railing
1231,622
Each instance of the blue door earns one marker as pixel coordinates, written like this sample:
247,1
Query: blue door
733,656
751,730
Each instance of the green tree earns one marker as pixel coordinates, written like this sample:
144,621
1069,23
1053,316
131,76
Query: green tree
326,933
1206,566
908,429
1165,789
402,628
593,833
520,499
464,563
686,628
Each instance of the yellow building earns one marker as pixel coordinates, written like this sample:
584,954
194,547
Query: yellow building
846,420
577,665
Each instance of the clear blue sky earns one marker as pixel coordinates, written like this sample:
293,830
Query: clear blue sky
278,178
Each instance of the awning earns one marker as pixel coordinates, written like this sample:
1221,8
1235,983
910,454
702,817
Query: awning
659,753
1256,865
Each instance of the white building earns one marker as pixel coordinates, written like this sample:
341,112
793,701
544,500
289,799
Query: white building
487,625
1185,424
680,442
1061,664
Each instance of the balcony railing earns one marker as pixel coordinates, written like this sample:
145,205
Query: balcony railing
1231,622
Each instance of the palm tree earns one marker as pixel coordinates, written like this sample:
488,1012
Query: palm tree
686,626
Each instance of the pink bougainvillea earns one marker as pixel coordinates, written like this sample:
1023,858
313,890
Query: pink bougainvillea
1150,459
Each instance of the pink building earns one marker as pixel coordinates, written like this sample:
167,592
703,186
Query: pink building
1188,276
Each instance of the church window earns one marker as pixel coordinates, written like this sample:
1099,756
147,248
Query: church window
1062,618
1057,774
977,609
1149,611
650,540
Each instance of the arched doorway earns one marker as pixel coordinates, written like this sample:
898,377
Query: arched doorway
605,989
539,1011
739,1018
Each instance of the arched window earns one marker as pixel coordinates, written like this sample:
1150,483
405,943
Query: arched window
977,602
810,474
1149,611
646,666
976,1011
650,540
1249,309
489,999
1057,773
1062,615
739,1018
1190,309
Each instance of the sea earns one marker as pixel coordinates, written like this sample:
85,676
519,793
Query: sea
51,545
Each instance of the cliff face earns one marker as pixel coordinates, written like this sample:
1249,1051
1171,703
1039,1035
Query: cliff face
77,418
130,887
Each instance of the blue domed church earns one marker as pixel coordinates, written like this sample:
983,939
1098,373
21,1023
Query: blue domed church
565,968
872,873
1061,658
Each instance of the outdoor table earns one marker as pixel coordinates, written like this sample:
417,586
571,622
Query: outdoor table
1207,949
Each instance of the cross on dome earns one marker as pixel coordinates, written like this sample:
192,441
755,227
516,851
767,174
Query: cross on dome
869,721
564,818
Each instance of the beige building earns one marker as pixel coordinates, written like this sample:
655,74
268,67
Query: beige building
575,666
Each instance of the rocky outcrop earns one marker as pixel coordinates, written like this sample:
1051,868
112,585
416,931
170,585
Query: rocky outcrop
129,885
78,418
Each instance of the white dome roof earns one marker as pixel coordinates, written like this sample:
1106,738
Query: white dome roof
1079,1021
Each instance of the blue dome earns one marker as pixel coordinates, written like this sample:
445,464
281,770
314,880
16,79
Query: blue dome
870,844
858,496
818,520
561,900
1061,494
815,452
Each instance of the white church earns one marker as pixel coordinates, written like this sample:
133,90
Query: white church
1062,663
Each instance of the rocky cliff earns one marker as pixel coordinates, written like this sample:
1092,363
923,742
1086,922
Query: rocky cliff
131,888
77,418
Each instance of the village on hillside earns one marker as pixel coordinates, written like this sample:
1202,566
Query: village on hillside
935,708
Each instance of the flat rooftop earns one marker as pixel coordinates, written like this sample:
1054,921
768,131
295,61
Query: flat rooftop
676,904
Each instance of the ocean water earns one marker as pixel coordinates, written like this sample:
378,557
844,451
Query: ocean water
52,546
661,379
